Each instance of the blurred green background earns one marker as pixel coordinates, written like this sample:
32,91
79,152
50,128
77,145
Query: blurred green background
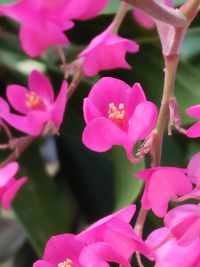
69,186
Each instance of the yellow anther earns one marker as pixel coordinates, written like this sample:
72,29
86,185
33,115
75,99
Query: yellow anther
116,113
67,263
32,100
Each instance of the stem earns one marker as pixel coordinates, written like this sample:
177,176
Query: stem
119,17
61,55
171,63
160,11
22,144
75,82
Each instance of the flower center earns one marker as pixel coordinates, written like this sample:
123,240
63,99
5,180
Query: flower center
34,101
67,263
117,115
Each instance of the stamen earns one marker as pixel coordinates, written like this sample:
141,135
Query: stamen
115,113
33,100
67,263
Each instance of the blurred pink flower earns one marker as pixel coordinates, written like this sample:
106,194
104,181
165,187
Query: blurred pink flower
41,26
162,185
106,51
117,114
9,186
40,111
143,19
194,130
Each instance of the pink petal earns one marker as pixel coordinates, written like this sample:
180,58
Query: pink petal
94,232
62,247
11,192
90,110
59,105
194,111
31,124
109,90
164,185
96,254
16,95
87,8
143,120
143,19
141,124
193,169
39,83
41,263
101,134
4,107
194,131
8,172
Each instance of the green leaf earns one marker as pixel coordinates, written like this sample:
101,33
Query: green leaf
112,7
127,186
40,205
3,2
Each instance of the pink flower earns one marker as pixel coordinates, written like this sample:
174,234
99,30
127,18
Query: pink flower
162,185
41,26
36,104
87,9
143,19
9,186
194,130
107,51
93,247
117,114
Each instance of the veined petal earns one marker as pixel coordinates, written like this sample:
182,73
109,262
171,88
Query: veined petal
11,192
90,110
39,83
101,134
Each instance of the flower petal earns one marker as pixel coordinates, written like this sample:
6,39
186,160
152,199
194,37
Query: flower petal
39,83
101,134
11,192
59,105
98,253
194,111
16,95
163,186
8,172
194,130
109,90
193,169
42,263
62,247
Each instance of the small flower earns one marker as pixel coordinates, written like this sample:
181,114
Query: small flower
36,104
117,114
162,185
194,130
9,186
107,51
